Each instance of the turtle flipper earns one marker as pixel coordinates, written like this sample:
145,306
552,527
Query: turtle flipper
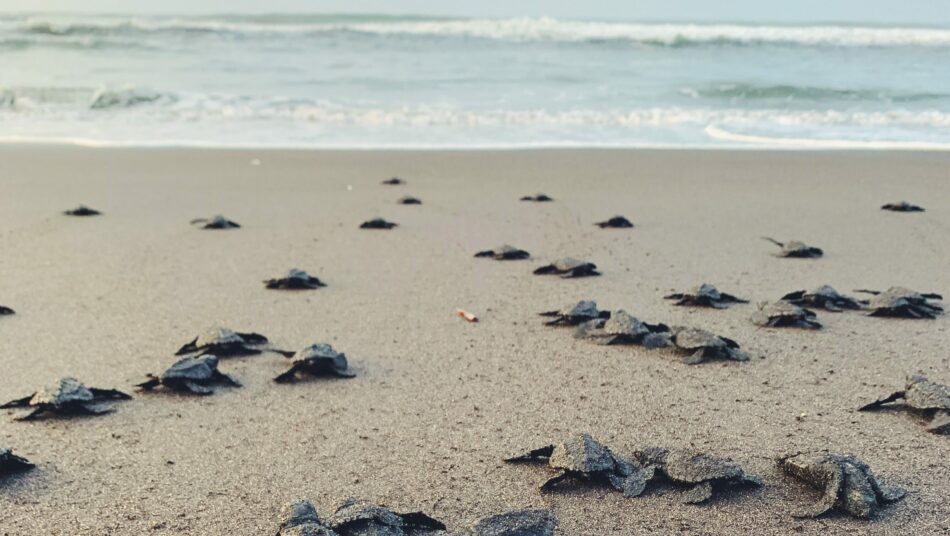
111,394
419,520
634,484
699,493
878,403
18,403
33,415
149,384
188,348
82,409
535,455
198,389
344,374
549,484
940,424
828,498
288,376
226,378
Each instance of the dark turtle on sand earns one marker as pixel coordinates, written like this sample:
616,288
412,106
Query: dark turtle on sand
903,303
215,222
569,267
796,249
698,345
11,463
703,472
504,253
534,522
930,399
223,342
409,200
572,315
316,360
301,519
782,314
705,295
193,375
540,198
67,397
824,297
294,280
623,328
847,483
377,223
583,458
394,181
358,518
902,206
82,210
617,222
6,311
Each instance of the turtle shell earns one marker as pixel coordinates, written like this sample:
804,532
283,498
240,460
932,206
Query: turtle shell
198,369
322,354
692,467
377,223
582,311
583,454
536,522
924,394
66,391
784,314
902,206
301,519
10,462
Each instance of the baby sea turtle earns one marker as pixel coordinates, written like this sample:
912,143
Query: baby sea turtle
294,280
504,253
6,311
395,181
572,315
929,398
358,518
796,249
377,223
194,375
698,345
617,222
902,206
82,210
301,519
67,397
223,342
569,267
409,200
903,303
824,297
534,522
11,463
216,222
782,314
847,483
705,295
540,198
583,458
316,360
623,328
703,472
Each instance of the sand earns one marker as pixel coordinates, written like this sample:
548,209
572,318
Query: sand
438,401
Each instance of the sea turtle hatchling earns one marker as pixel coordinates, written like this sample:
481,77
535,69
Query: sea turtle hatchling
796,249
532,522
623,328
703,472
572,315
193,375
394,181
409,200
617,222
824,297
82,210
66,397
355,517
846,481
223,342
539,198
568,267
705,295
504,253
215,222
698,345
929,398
294,280
316,360
583,458
11,463
4,311
902,206
782,314
378,223
301,519
903,303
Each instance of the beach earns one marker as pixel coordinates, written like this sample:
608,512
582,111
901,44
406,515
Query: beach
439,402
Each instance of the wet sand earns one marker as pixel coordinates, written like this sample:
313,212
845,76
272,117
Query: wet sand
438,401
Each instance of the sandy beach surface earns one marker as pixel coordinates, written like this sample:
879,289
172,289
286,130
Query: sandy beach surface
438,402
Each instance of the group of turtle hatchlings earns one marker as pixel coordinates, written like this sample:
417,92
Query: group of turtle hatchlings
847,483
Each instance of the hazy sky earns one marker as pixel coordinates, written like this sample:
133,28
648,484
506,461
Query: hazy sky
874,11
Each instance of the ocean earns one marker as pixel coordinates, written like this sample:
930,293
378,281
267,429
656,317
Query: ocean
421,82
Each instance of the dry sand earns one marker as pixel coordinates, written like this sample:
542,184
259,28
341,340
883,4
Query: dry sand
438,401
